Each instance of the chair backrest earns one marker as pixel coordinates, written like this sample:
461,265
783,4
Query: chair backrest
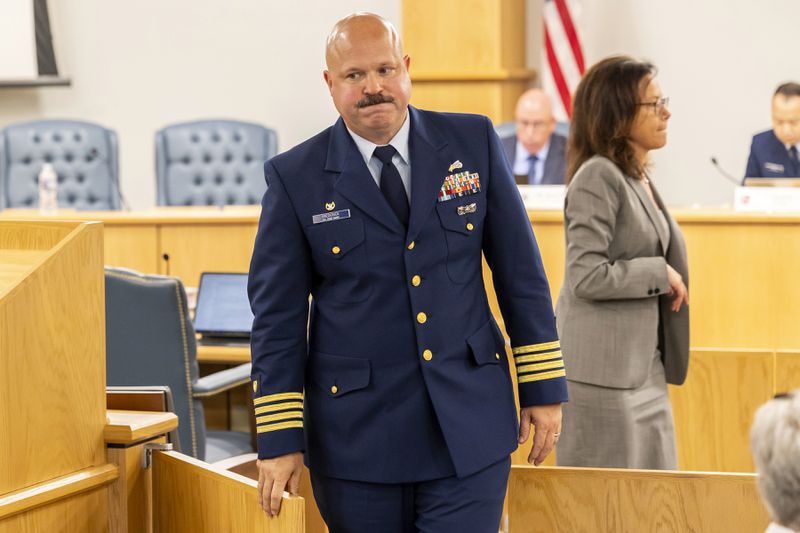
509,129
84,155
150,341
212,162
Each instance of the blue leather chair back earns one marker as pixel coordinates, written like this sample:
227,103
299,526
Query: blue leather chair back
509,129
212,162
150,340
84,156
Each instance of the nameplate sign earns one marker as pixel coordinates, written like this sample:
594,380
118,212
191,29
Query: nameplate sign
543,197
767,200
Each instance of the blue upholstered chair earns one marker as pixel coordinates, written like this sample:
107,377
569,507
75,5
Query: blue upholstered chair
84,156
150,340
212,162
509,129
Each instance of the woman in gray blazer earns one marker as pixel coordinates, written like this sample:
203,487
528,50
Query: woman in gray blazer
622,313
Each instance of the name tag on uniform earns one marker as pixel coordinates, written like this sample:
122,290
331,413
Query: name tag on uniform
330,217
773,167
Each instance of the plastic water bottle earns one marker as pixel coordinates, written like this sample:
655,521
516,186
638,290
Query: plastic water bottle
48,190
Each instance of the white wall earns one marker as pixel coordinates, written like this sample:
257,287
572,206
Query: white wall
137,66
719,62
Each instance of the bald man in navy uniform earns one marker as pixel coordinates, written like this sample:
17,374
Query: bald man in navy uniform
396,387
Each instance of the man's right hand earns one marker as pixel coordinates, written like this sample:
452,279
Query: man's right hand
273,476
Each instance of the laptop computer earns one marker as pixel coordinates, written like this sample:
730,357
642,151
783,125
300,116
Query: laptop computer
223,314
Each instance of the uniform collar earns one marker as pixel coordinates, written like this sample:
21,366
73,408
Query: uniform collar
399,142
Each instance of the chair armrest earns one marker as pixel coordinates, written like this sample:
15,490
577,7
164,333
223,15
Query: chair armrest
221,381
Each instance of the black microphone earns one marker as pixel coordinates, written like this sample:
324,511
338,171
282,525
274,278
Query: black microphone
95,154
166,263
725,174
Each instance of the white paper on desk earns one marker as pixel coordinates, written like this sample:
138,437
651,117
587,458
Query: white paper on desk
767,200
543,196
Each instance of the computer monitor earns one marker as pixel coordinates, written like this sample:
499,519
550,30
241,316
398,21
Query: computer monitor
223,309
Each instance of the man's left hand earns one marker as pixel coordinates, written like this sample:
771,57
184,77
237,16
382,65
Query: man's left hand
546,421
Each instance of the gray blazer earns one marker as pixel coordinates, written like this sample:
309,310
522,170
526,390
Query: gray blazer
555,166
613,311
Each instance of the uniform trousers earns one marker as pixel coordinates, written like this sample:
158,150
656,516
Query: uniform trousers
472,504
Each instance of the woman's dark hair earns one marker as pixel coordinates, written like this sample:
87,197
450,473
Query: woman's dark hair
603,112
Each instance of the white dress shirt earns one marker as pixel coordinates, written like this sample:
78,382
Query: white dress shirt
522,165
400,160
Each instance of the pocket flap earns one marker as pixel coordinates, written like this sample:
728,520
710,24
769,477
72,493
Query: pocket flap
483,345
451,220
338,375
335,239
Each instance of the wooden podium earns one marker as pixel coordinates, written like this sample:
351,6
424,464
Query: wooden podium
53,470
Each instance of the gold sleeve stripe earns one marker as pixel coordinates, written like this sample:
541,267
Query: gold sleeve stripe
279,407
537,347
540,366
278,397
282,425
519,359
290,415
540,377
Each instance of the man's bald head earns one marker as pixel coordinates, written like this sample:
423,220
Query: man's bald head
367,76
534,118
357,27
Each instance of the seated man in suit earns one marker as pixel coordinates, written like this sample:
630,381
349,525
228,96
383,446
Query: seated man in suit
773,153
536,154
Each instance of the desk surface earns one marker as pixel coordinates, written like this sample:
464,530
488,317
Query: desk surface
153,216
231,355
126,427
250,214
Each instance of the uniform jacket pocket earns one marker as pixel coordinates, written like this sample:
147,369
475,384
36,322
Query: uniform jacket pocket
338,375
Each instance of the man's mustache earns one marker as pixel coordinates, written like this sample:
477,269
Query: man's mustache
374,99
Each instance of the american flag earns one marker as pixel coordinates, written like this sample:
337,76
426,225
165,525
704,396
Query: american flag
562,61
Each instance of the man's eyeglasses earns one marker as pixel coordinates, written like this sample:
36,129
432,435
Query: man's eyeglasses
659,106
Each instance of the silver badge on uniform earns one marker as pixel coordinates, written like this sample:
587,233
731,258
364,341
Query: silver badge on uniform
466,209
773,167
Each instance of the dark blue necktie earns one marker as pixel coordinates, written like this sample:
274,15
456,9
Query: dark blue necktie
391,183
532,159
795,162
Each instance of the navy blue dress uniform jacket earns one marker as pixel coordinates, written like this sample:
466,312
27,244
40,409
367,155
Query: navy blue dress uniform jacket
399,372
769,158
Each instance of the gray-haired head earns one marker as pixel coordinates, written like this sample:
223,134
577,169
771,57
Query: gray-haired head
775,441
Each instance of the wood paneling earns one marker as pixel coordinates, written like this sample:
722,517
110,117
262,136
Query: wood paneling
714,409
194,249
566,500
52,346
61,488
132,246
190,496
83,512
467,55
787,371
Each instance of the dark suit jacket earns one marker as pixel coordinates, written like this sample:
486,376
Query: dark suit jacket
396,378
768,158
555,166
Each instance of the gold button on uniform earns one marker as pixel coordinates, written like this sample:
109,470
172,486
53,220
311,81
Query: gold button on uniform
470,227
422,318
411,245
336,250
334,389
416,280
497,356
427,355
